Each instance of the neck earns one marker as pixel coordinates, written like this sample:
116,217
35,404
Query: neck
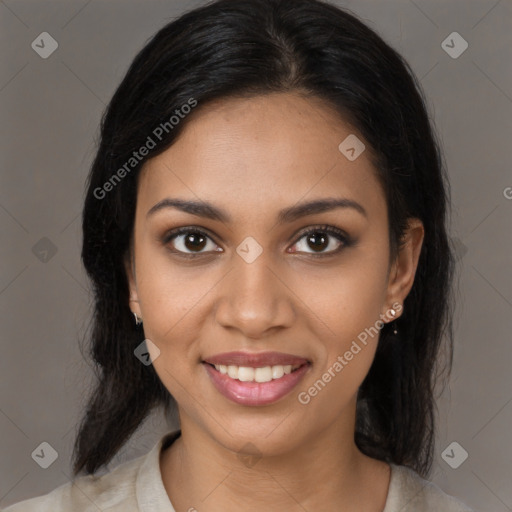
326,471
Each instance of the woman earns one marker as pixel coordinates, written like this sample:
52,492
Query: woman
265,230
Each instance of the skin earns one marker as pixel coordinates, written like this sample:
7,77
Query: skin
253,157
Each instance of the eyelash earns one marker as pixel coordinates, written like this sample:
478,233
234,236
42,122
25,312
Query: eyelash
346,241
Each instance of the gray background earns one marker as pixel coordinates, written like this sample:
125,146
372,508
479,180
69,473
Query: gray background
50,111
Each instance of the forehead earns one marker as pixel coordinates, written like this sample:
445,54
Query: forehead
257,151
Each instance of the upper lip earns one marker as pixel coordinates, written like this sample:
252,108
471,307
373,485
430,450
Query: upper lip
255,360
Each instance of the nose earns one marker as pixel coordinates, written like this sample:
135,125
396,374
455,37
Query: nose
254,299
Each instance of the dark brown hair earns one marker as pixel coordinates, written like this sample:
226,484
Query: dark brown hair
249,47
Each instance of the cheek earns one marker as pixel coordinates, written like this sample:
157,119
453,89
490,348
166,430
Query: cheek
176,302
168,293
347,302
345,299
348,325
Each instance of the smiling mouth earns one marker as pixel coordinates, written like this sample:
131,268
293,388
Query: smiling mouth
259,374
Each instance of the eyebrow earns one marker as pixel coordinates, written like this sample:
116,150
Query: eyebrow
289,214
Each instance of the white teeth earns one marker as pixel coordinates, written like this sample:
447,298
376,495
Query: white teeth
277,372
249,374
263,374
245,374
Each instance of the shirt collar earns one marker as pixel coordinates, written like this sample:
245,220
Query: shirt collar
152,496
149,487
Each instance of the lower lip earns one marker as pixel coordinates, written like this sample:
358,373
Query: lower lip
255,393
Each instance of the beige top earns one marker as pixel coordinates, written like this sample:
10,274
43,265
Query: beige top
137,485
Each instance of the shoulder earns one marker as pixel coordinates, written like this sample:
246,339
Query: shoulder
113,491
409,491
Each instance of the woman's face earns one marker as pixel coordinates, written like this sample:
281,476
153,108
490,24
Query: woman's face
254,291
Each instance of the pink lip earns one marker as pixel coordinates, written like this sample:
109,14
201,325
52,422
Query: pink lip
255,393
255,360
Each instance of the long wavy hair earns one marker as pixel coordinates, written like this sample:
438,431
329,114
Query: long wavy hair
251,47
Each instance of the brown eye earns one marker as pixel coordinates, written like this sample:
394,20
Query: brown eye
323,240
318,241
189,241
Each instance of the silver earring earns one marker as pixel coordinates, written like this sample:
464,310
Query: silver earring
393,314
137,319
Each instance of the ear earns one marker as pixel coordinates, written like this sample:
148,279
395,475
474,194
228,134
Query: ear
403,269
129,265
